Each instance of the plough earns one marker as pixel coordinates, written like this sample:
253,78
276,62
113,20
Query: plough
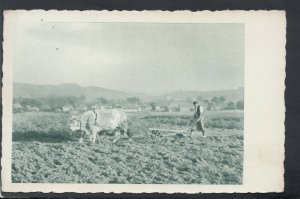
164,134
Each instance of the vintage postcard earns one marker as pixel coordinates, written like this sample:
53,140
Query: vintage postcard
142,102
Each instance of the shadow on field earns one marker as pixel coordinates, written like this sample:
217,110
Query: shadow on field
50,137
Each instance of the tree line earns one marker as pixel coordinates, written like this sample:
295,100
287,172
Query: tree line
51,103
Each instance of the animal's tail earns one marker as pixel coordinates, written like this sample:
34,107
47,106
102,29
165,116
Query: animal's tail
129,133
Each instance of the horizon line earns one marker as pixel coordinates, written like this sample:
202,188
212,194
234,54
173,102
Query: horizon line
129,92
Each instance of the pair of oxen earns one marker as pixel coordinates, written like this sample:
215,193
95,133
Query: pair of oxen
90,123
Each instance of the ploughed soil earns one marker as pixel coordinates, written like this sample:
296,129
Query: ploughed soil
43,154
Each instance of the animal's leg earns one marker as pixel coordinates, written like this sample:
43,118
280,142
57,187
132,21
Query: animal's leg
117,136
128,134
126,130
94,135
81,136
203,133
124,133
90,134
91,138
99,139
191,132
84,132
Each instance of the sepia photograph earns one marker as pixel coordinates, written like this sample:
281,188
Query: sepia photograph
126,102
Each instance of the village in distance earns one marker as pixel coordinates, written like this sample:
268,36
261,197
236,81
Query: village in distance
72,97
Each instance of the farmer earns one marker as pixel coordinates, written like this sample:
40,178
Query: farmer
198,118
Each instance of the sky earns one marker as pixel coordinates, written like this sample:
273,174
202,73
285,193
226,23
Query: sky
132,57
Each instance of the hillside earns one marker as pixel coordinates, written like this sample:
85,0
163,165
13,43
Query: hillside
39,91
232,94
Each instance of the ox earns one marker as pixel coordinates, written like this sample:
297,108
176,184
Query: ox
92,122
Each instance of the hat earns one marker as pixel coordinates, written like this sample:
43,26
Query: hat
195,102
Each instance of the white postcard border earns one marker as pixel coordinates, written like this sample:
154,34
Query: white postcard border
264,97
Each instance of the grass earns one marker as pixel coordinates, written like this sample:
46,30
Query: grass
44,152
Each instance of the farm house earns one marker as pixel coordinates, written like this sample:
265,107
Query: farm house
159,108
35,109
67,108
132,108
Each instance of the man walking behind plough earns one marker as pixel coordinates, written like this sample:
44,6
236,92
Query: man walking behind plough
199,118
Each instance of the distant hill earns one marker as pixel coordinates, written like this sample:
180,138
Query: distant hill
91,92
232,94
40,91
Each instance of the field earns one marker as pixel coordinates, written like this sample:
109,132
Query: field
45,152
